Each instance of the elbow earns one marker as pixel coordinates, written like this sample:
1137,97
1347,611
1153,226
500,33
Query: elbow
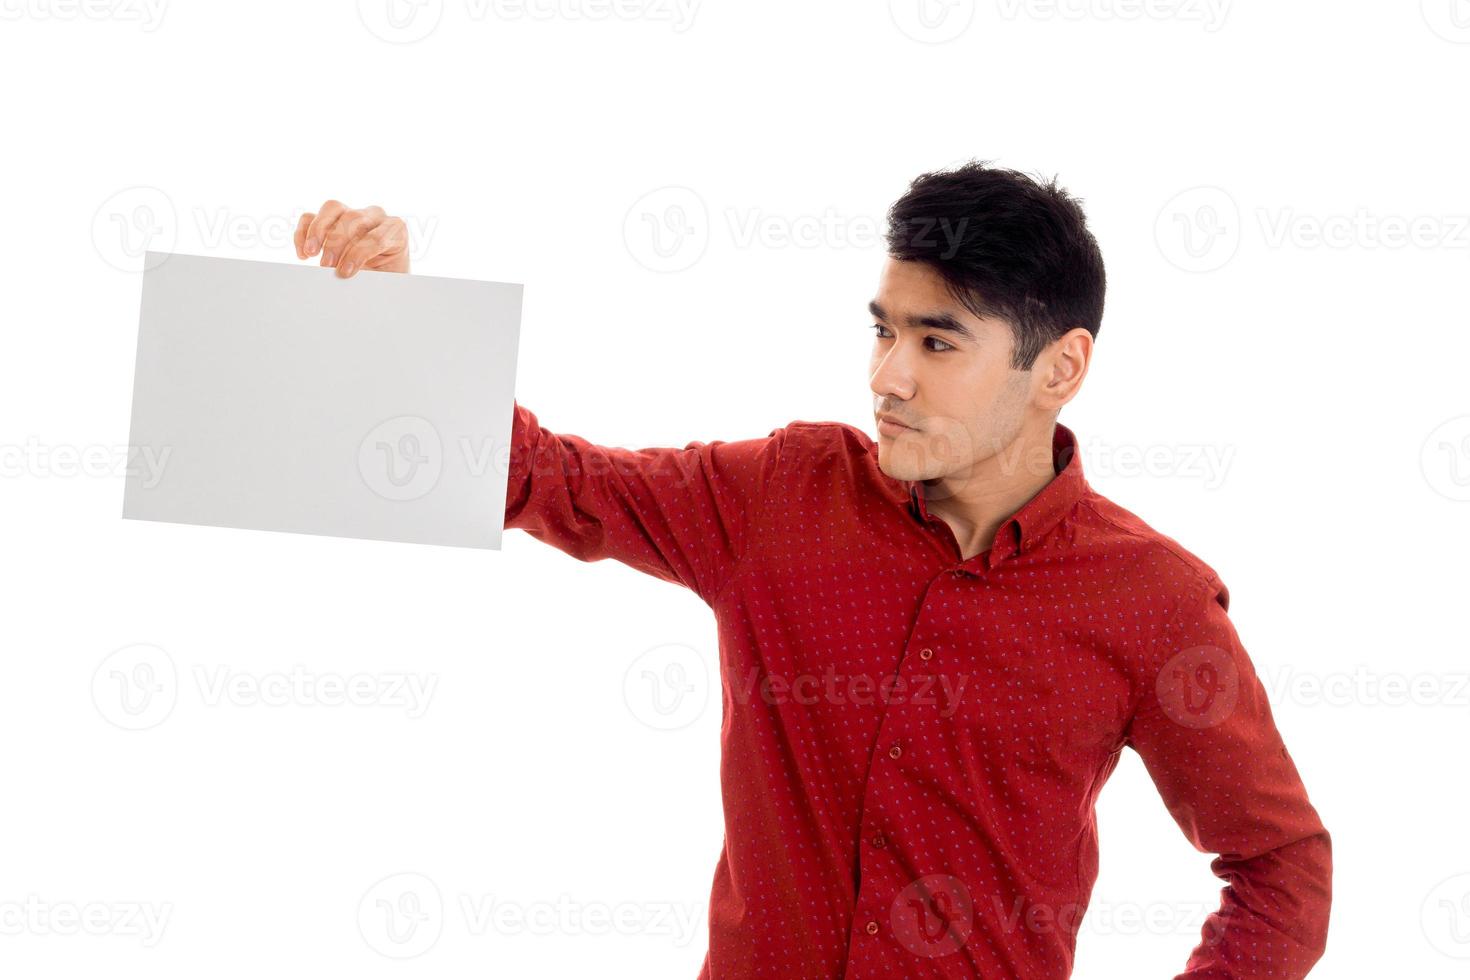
1303,883
1316,872
1285,893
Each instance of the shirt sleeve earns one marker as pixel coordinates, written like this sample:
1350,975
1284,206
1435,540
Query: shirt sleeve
1203,727
681,515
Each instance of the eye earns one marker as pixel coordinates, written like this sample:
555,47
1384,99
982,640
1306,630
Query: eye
882,335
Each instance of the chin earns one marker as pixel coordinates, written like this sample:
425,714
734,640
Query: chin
894,469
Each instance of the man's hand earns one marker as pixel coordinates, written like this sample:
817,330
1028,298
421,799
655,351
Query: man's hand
349,239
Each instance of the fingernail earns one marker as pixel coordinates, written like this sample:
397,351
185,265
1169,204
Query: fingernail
312,245
329,257
347,269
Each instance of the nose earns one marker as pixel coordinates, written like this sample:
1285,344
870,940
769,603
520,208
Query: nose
891,378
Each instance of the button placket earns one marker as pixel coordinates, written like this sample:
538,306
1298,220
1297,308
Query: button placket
918,664
866,900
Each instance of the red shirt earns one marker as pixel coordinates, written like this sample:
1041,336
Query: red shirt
913,742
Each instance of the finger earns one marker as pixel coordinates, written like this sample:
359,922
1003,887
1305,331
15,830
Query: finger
316,233
301,227
347,229
378,247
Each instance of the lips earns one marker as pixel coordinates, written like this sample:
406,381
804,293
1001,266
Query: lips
890,418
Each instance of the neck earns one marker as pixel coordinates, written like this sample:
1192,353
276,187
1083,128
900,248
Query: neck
977,500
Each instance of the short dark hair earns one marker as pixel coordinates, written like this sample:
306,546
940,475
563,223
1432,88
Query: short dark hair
1007,246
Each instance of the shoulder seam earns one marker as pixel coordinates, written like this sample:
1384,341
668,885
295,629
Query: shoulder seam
1189,561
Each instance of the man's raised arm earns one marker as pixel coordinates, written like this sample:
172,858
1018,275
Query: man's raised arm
1204,730
682,515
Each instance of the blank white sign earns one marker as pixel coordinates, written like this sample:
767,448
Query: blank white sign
280,397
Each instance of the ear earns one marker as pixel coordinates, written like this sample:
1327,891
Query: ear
1060,368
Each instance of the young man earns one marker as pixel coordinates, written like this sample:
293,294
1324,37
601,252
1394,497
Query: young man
936,646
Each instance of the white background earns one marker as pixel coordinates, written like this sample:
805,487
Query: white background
1278,190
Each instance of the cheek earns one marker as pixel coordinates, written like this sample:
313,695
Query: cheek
985,412
1007,401
970,398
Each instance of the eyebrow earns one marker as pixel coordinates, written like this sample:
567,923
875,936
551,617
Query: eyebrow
932,321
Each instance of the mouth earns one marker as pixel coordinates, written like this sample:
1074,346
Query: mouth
889,420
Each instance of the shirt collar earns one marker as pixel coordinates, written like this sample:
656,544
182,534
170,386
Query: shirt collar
1038,515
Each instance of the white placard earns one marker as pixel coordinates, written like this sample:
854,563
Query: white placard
280,397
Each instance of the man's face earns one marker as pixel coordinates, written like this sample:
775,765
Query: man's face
955,386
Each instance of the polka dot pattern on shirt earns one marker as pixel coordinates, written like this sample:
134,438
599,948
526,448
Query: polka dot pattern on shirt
913,741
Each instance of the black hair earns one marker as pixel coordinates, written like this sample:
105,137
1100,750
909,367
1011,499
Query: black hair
1007,246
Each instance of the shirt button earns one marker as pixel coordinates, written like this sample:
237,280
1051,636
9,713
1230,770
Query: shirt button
895,752
872,927
879,840
925,653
